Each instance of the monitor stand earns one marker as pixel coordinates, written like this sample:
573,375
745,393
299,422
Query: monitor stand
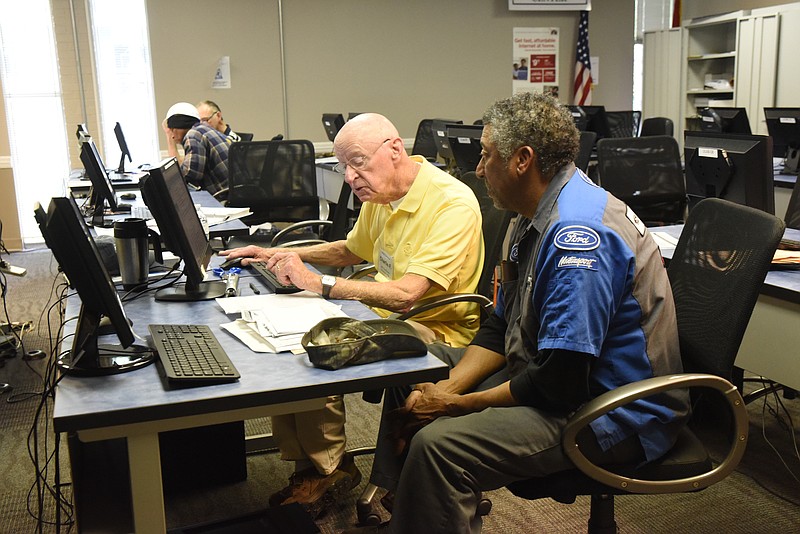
790,166
188,293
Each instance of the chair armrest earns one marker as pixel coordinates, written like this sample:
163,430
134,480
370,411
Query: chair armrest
221,195
644,388
487,306
292,227
363,272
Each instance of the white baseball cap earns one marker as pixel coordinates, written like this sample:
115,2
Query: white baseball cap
183,108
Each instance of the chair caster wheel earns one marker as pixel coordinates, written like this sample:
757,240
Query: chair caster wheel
371,520
484,507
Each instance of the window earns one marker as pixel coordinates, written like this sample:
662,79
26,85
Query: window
124,79
35,115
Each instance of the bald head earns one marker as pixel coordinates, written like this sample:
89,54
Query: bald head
365,129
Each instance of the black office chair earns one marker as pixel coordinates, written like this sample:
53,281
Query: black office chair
656,126
585,147
423,141
716,273
624,123
245,137
646,173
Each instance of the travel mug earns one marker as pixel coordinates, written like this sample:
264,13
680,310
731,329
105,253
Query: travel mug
131,241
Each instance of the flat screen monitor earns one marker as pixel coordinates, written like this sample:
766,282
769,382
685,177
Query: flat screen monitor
729,166
74,249
783,125
102,189
166,195
724,120
597,121
332,122
439,130
123,148
353,114
579,116
82,133
465,143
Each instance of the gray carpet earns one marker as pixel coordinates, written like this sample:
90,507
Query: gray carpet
763,496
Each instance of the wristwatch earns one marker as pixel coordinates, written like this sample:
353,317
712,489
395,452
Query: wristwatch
328,282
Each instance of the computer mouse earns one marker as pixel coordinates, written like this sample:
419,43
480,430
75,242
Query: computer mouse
128,196
233,262
126,208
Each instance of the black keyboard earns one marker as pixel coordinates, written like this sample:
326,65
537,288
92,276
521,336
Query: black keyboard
190,355
269,278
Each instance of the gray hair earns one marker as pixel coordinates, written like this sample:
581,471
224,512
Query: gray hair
538,121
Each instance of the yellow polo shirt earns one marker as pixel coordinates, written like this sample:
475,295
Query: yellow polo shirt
435,232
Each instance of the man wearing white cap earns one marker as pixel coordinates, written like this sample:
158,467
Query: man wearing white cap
205,160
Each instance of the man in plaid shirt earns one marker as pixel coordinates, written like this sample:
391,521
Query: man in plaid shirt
205,160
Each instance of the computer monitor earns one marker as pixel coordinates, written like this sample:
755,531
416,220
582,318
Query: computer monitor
465,143
166,195
82,133
783,125
724,120
353,114
597,121
729,166
579,116
439,129
74,249
123,148
102,188
332,122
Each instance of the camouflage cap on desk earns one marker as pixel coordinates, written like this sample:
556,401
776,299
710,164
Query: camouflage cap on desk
338,341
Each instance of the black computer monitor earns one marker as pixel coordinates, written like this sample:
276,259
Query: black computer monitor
597,121
579,116
783,125
439,130
74,249
353,114
724,120
465,143
123,148
729,166
102,188
82,133
332,122
166,195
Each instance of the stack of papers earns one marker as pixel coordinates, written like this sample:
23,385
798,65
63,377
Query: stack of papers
276,323
219,215
664,241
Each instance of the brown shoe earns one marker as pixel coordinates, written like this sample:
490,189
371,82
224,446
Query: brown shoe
277,498
316,493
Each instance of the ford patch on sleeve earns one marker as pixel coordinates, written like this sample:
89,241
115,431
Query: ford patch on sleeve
576,237
571,261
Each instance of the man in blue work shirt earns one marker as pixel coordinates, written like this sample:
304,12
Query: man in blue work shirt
585,307
205,150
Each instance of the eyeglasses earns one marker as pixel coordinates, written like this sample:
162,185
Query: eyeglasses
358,162
209,117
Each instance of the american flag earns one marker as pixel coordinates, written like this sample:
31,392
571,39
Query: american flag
582,87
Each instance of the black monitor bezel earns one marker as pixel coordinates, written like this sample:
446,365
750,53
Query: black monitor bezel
785,139
76,252
165,193
597,121
332,122
758,194
724,120
466,155
102,188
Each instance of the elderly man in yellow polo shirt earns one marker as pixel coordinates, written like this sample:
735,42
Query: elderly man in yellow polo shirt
421,228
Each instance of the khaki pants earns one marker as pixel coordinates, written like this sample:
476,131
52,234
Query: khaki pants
317,436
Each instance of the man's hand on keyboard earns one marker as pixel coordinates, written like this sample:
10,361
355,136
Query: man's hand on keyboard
249,253
290,269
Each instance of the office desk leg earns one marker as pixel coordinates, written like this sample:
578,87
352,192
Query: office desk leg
147,492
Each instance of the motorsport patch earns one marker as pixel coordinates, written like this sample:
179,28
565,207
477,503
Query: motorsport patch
576,237
571,261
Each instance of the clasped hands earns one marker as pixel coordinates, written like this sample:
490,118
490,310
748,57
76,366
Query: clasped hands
425,403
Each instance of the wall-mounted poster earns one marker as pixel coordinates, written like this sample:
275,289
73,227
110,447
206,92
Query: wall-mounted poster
535,60
550,5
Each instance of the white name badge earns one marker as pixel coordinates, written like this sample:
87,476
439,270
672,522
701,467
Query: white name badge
386,265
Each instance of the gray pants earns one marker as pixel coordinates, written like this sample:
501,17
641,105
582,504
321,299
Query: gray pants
438,484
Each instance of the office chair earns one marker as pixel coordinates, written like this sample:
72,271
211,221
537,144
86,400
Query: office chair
585,147
423,141
645,173
245,136
624,123
723,246
494,226
656,126
277,180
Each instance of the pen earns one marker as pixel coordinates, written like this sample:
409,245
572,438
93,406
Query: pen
255,289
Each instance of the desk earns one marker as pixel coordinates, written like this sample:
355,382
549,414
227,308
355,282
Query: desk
771,341
329,183
136,406
784,184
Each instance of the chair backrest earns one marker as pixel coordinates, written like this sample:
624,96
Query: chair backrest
646,173
716,273
657,126
624,123
792,217
277,180
423,141
585,147
494,227
245,136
